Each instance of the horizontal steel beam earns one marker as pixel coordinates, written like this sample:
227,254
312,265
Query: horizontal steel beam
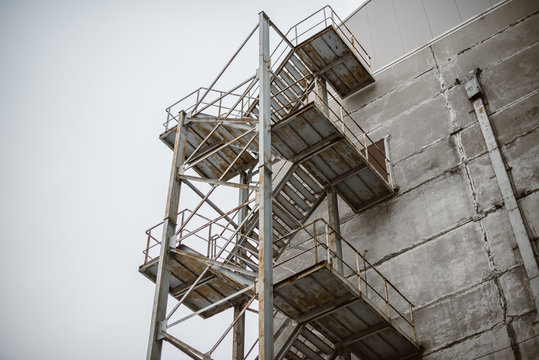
317,148
180,345
363,334
219,182
211,306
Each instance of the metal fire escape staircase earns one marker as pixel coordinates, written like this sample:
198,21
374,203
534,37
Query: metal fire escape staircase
317,146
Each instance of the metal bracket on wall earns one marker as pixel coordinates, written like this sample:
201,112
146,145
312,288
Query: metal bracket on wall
475,94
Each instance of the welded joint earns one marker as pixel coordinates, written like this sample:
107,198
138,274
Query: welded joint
162,330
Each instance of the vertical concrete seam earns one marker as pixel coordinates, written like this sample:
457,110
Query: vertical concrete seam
456,134
507,320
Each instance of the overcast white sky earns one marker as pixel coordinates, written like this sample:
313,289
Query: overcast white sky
83,89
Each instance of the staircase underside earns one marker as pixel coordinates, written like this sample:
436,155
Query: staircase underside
218,283
217,162
309,137
328,302
326,54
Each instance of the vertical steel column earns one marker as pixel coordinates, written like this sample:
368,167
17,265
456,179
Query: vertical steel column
155,342
265,266
321,99
238,337
334,222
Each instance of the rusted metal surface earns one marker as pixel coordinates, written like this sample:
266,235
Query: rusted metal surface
328,55
214,165
216,265
337,305
214,286
360,179
331,305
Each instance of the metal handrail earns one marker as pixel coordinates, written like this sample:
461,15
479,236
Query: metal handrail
338,25
328,15
332,257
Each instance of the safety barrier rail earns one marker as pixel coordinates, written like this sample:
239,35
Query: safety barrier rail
316,241
216,239
235,102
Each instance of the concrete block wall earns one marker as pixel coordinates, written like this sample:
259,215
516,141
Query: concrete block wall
445,239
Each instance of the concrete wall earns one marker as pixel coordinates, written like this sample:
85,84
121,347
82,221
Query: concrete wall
445,239
388,29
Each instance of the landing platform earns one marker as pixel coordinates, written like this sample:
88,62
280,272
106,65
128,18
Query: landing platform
327,54
330,304
309,137
186,265
217,162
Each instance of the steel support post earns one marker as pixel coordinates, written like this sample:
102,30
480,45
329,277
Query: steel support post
322,95
238,342
475,93
265,267
155,342
334,222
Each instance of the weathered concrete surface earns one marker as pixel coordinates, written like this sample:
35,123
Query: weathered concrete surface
499,47
416,128
392,78
395,102
511,79
426,164
440,267
411,218
530,208
527,336
514,284
444,239
501,240
473,311
493,345
477,31
519,118
522,157
472,142
460,105
487,191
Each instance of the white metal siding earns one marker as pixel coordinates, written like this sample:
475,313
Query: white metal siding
389,29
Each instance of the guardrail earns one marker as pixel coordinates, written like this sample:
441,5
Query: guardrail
235,102
315,242
212,238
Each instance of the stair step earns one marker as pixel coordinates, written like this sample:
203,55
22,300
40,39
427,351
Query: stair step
304,349
316,341
293,194
290,207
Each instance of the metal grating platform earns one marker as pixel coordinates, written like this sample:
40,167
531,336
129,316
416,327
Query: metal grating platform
309,137
330,304
218,161
328,55
186,266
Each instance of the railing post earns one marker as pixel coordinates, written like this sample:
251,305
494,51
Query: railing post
412,320
147,247
387,300
358,273
209,242
328,257
315,243
366,147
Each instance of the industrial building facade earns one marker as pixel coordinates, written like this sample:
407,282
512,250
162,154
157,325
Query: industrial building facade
445,238
445,140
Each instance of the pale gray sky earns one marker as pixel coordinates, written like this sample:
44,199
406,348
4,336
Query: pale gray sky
83,89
